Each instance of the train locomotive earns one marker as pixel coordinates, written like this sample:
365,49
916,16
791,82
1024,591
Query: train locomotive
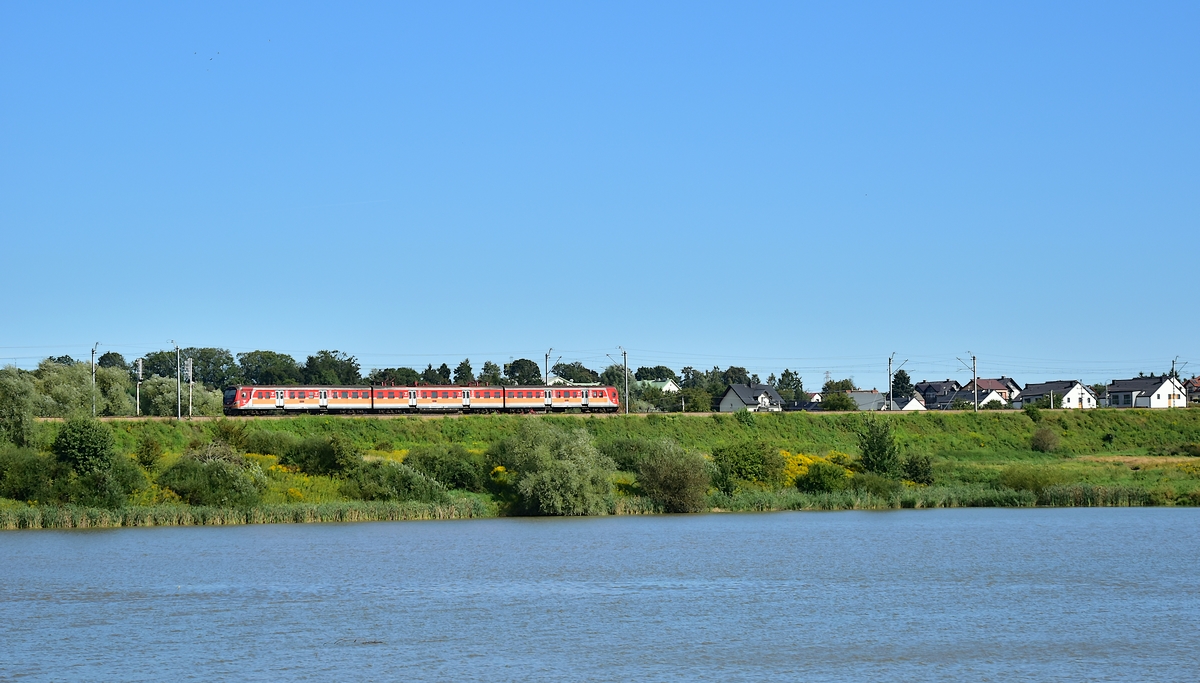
418,400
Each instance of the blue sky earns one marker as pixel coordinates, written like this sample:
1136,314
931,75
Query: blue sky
812,186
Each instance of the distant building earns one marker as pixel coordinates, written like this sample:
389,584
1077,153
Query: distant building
930,391
757,398
1074,394
1147,392
815,397
868,400
967,396
909,403
1193,389
1007,387
667,386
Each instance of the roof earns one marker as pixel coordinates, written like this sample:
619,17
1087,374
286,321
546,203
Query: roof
948,385
1061,386
658,383
749,394
994,384
1142,384
868,400
966,395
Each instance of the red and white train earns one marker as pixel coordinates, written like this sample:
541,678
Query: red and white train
265,400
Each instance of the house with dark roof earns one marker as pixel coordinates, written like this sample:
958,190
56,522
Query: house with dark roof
929,391
966,397
907,403
1072,393
1147,392
1007,387
1193,389
756,398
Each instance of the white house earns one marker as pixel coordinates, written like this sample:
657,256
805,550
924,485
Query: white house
909,403
967,396
1074,394
757,398
667,386
1147,392
814,397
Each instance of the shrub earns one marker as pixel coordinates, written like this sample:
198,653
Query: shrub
993,405
387,480
558,471
216,482
1032,412
918,468
876,485
878,444
838,401
25,475
451,465
674,478
267,442
823,477
747,461
1028,478
148,451
745,417
108,487
323,455
1044,440
627,452
85,445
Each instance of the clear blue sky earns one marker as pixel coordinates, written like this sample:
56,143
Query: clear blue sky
811,186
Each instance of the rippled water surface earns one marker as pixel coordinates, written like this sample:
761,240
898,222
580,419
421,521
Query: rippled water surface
1061,594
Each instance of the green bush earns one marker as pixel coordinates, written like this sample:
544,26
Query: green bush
823,477
876,485
918,468
216,482
627,452
148,452
1045,440
558,471
747,462
26,475
267,442
674,478
1032,412
451,465
85,445
880,454
838,401
1029,478
323,455
109,487
387,480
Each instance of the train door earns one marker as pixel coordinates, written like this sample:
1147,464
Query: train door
412,398
279,398
585,398
466,396
324,398
548,394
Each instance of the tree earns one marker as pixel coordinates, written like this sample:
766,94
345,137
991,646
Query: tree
790,381
401,377
902,386
432,375
84,445
18,400
832,386
215,368
838,401
67,360
111,359
615,376
674,478
265,368
523,371
159,398
735,375
463,374
161,363
67,389
748,461
695,400
880,455
491,375
658,373
331,367
576,372
558,471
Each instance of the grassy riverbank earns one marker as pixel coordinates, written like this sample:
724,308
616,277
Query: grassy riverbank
337,469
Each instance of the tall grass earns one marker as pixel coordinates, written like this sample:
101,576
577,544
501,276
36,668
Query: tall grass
74,517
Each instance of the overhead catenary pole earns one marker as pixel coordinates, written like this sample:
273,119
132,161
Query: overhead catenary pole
94,378
625,364
191,383
547,366
178,385
138,395
975,382
890,376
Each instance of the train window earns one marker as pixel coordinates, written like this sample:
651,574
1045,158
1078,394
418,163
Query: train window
445,394
424,394
353,394
510,394
291,394
391,394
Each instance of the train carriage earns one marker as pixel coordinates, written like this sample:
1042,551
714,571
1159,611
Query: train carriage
264,400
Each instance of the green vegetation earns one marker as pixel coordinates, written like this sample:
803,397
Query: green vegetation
82,472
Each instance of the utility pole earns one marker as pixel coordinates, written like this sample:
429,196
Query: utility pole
547,366
94,378
890,375
138,398
191,383
975,382
178,385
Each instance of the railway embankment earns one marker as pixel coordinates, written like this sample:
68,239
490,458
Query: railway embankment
83,473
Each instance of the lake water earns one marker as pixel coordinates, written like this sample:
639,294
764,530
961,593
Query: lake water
969,594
